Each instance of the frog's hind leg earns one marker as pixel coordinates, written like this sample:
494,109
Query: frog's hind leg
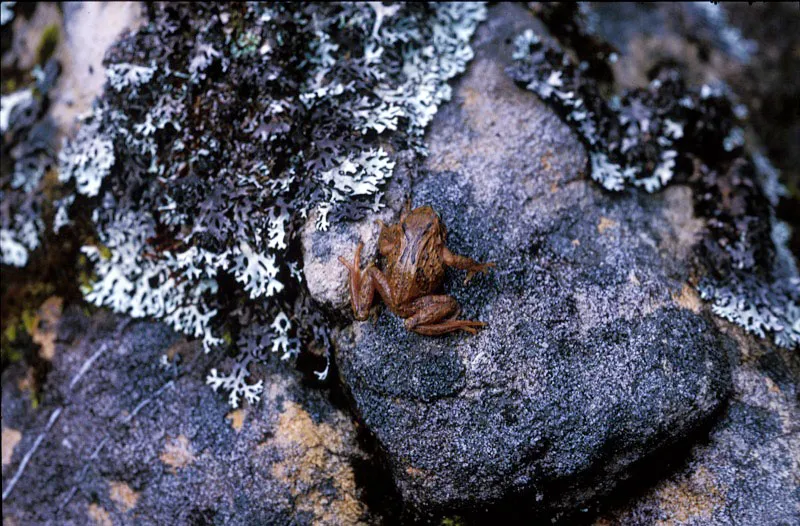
435,315
363,284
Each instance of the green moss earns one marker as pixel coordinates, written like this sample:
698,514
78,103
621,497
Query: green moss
10,350
29,320
48,43
9,85
105,252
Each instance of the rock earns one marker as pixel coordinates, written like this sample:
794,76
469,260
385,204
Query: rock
746,472
595,356
749,47
90,28
135,441
326,277
82,32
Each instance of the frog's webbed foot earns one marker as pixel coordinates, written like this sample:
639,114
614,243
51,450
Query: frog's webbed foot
435,315
465,263
478,267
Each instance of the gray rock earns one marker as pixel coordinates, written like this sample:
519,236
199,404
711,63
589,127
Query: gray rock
596,354
325,276
747,471
133,441
90,28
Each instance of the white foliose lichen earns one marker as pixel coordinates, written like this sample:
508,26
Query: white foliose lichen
121,76
645,128
88,159
6,12
632,119
13,102
237,232
763,307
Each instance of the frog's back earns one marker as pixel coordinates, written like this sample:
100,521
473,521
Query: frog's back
418,271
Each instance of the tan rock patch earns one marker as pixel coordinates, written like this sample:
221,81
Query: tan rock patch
177,452
183,349
686,228
45,330
99,516
236,418
414,472
545,160
123,495
11,438
693,498
315,454
688,298
605,224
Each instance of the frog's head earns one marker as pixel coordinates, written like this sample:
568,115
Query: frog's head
424,224
420,227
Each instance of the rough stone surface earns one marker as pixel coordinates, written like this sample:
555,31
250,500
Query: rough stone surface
89,30
598,279
747,470
594,356
766,78
325,276
139,442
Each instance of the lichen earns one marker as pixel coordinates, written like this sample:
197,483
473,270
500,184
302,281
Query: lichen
6,12
28,152
221,128
649,137
634,138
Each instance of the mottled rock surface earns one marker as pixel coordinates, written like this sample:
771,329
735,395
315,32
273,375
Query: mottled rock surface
597,351
135,441
83,32
595,355
326,277
747,470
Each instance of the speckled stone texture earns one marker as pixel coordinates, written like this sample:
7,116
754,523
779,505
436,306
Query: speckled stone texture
136,442
596,354
601,372
747,469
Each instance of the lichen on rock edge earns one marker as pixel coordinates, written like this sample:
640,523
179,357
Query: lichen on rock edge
650,137
221,128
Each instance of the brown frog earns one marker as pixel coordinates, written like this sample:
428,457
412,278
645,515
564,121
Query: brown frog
416,256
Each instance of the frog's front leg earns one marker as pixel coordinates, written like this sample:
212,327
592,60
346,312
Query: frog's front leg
434,315
464,263
363,285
